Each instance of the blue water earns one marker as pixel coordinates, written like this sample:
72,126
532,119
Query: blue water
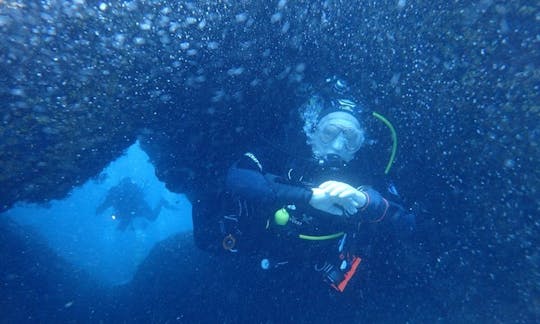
171,93
90,241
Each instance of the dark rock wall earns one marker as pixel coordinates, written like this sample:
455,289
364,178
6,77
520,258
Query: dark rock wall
200,82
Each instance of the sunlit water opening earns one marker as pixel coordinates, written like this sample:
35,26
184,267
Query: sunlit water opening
90,237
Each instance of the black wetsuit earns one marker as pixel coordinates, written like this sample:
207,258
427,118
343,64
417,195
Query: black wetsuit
265,181
239,219
128,201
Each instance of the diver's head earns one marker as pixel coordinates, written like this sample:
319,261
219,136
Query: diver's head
338,135
332,124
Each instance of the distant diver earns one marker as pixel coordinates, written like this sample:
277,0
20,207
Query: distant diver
128,201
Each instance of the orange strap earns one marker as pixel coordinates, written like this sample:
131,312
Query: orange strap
341,286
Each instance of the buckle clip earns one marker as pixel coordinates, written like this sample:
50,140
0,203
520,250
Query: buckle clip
339,277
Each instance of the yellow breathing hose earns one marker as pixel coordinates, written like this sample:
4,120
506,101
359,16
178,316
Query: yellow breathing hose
320,238
394,140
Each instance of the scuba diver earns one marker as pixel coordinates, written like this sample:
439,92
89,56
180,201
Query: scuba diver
128,201
311,206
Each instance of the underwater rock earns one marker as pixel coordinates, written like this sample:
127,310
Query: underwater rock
207,80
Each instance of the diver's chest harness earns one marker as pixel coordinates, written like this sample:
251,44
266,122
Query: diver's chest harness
295,226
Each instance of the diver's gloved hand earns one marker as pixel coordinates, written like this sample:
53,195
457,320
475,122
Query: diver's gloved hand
345,194
322,201
336,198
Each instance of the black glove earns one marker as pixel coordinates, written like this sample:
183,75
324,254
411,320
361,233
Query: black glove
376,207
